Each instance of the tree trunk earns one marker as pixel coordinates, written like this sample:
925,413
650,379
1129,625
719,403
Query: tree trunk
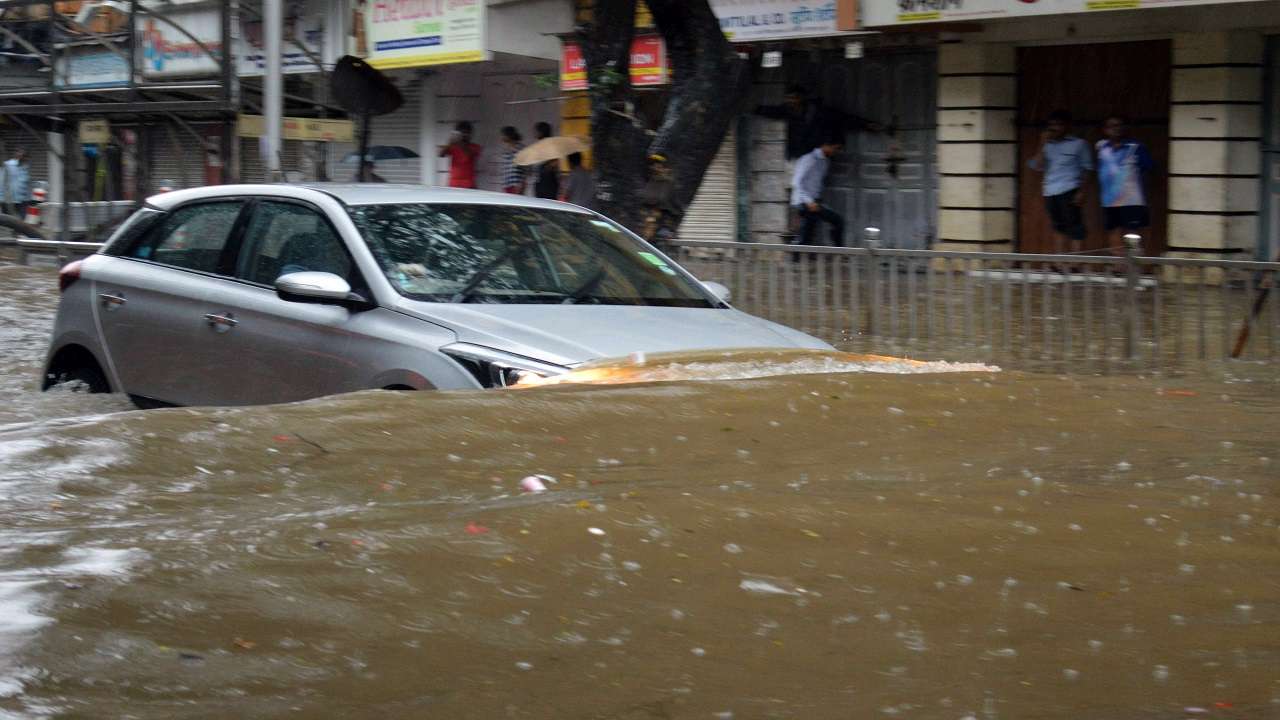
709,83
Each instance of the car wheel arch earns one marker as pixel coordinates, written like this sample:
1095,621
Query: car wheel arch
70,359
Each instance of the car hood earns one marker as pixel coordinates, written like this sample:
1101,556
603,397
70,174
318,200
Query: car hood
572,334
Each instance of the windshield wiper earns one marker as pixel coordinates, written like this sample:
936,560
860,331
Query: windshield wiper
586,288
473,282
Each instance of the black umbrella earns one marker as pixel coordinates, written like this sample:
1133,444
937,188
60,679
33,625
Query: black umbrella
361,90
382,152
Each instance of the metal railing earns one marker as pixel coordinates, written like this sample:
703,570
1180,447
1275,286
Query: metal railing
1063,312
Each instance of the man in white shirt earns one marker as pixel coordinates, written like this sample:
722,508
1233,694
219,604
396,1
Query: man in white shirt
806,191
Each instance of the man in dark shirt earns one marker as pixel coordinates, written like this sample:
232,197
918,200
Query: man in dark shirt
548,183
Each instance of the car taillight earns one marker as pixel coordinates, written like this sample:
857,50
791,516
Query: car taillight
68,275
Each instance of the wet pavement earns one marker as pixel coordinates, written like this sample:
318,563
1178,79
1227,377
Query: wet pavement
727,543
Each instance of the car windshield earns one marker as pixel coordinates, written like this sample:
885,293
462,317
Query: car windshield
514,255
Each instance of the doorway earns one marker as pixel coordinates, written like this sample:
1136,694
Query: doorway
885,180
1093,81
1269,239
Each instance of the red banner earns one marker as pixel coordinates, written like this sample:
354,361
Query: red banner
573,68
648,64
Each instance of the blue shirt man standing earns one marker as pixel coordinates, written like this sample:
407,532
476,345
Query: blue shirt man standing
806,190
1066,162
15,183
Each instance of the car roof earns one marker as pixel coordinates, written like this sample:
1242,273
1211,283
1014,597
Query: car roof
361,194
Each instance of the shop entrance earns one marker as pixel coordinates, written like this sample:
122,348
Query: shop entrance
885,180
1269,244
1093,81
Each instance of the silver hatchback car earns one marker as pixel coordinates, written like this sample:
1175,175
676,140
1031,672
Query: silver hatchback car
248,294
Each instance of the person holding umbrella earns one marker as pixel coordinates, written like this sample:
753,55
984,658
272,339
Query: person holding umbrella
547,185
463,156
368,174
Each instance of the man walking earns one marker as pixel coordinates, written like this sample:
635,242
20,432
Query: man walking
15,184
1123,164
547,184
806,190
1066,162
579,188
463,156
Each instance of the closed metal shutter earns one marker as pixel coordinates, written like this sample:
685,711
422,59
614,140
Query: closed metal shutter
176,159
253,168
402,127
713,214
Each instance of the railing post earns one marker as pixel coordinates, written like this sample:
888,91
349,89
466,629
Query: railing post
1132,248
871,238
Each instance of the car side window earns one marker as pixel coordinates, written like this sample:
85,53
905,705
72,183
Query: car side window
284,238
192,237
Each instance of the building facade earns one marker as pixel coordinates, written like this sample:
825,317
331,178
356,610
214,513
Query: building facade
1197,81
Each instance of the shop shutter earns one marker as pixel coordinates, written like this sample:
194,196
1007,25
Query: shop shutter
401,127
253,168
182,166
713,214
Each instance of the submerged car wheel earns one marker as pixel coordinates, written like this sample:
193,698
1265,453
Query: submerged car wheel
85,378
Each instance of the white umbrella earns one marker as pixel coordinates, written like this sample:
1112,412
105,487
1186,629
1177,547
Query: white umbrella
552,148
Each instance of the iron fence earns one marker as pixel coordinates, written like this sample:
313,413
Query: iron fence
1068,312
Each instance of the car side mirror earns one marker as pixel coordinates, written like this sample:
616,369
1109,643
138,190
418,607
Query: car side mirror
309,286
720,291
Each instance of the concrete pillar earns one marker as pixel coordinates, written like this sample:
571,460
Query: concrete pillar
428,127
1214,144
977,147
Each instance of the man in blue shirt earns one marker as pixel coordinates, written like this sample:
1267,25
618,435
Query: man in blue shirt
806,190
1123,166
15,184
1066,162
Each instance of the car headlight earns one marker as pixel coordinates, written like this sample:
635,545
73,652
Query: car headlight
496,369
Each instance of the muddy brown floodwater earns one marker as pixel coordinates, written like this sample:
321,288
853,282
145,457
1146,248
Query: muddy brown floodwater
991,546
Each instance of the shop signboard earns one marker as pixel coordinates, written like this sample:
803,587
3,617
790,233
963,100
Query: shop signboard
293,128
413,33
573,67
648,61
94,132
91,67
882,13
169,53
756,20
648,64
304,24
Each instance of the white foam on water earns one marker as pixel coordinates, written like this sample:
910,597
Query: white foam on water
26,592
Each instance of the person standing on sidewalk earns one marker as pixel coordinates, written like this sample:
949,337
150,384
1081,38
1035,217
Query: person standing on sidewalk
547,184
463,155
806,191
1123,164
1066,162
579,188
15,184
513,180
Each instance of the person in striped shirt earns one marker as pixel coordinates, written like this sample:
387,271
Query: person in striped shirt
513,175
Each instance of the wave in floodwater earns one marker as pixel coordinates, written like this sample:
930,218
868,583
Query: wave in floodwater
745,365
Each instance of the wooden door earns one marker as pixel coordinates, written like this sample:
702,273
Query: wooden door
1093,81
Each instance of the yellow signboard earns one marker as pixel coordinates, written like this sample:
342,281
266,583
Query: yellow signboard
312,129
95,132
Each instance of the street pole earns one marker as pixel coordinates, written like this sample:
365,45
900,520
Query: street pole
273,83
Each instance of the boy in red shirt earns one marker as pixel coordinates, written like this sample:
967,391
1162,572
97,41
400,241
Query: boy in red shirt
463,156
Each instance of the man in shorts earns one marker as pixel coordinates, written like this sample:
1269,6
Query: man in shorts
1066,162
1123,164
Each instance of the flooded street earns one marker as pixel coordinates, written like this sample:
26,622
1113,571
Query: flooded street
838,544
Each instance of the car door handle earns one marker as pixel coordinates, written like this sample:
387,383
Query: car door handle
221,322
111,302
